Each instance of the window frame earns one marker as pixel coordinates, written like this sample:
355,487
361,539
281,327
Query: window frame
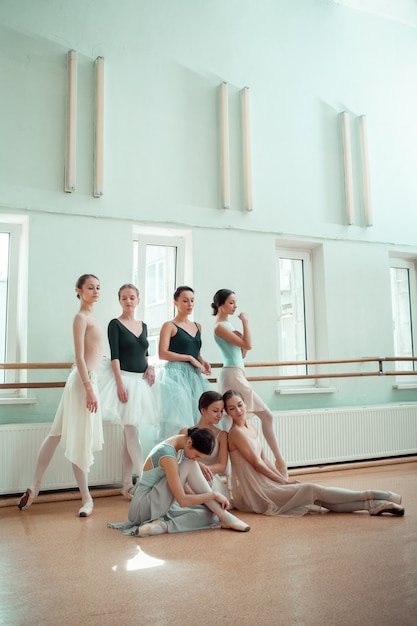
174,239
408,263
16,315
306,256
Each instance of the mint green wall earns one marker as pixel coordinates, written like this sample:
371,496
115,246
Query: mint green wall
305,62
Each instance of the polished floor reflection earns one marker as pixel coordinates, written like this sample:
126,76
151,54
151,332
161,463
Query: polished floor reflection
347,569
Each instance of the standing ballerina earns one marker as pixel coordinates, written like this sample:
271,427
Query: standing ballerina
234,346
77,424
182,381
125,387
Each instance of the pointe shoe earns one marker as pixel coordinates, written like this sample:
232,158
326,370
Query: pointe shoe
26,500
86,509
156,527
386,507
228,520
394,497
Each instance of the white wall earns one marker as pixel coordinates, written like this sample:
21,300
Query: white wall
305,61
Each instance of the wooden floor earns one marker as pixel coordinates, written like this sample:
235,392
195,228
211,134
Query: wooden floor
344,569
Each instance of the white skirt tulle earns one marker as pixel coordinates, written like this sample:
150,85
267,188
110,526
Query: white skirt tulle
81,431
142,405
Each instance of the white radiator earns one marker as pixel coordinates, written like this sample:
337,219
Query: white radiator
19,446
308,437
321,436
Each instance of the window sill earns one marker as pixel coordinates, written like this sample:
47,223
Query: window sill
18,401
402,386
304,390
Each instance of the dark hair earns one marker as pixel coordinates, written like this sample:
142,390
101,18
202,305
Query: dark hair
82,279
229,393
220,298
207,398
202,439
128,286
179,291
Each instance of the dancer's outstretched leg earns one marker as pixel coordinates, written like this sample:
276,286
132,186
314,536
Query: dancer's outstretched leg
46,452
341,500
82,482
267,420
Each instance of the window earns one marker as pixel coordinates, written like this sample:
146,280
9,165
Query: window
158,267
295,313
403,301
12,346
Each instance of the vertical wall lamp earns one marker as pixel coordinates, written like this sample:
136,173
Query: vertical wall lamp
247,150
71,148
366,184
99,129
224,146
347,162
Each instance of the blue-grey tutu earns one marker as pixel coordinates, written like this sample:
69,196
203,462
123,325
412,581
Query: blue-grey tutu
180,386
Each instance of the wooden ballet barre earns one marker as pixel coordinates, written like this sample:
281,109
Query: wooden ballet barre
379,372
33,366
31,385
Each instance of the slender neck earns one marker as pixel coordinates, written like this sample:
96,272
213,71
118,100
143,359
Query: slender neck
222,317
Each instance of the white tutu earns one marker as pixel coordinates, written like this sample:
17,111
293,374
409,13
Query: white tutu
142,405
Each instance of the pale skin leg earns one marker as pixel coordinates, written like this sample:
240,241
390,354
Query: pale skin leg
132,454
46,452
341,500
82,482
266,418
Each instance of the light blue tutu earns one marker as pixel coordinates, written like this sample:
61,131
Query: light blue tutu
180,386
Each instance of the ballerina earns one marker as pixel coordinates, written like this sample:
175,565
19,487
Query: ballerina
183,377
211,407
234,345
77,424
258,487
125,385
160,503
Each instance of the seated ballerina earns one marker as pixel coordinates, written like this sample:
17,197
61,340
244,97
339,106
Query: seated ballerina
211,407
169,466
258,487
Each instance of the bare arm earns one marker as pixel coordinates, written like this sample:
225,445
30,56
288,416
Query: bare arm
220,466
121,389
242,340
79,329
149,374
238,440
206,367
